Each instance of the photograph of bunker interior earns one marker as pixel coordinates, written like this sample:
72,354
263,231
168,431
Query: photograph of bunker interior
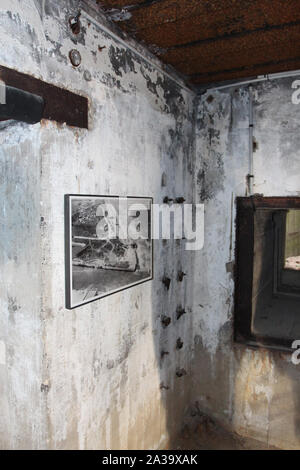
175,100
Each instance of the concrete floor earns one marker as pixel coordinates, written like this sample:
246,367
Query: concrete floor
207,434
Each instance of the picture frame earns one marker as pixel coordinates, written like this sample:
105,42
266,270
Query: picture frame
108,245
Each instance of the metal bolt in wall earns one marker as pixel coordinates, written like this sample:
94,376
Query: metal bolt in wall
180,311
181,372
180,276
163,386
166,282
163,354
165,321
75,57
74,23
180,200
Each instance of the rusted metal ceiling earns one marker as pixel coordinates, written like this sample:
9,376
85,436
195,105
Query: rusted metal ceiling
212,41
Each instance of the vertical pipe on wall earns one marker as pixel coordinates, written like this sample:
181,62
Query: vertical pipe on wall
250,176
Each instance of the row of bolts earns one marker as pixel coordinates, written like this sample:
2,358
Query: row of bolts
165,320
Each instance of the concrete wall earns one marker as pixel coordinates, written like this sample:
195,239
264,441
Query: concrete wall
89,378
256,392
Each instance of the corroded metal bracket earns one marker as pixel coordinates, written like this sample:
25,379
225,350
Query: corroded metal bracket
58,104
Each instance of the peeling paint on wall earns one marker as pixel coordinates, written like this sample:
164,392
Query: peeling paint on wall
89,378
254,391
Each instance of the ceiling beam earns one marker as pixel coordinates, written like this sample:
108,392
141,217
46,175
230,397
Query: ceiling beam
247,71
239,50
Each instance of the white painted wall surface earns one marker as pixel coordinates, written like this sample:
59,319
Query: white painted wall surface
88,378
254,391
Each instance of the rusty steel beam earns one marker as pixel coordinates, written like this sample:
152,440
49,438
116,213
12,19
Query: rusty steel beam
267,43
186,31
236,35
241,60
270,202
272,67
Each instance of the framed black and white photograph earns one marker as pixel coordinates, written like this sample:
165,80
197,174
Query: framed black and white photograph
108,245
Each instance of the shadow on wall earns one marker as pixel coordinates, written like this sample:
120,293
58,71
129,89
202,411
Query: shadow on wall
172,336
172,288
253,391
